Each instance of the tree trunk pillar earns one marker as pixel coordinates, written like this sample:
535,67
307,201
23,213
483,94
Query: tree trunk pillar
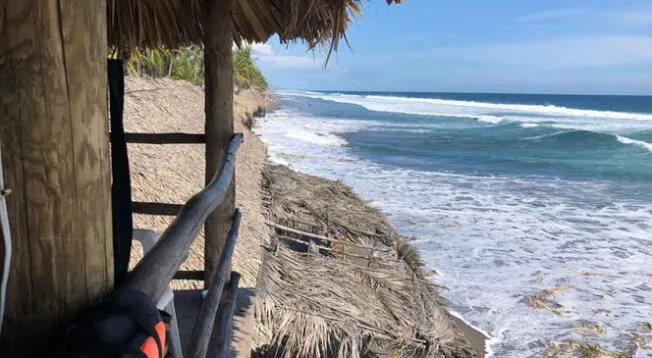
55,150
218,62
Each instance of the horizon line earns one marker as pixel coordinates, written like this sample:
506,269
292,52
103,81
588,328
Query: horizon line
465,92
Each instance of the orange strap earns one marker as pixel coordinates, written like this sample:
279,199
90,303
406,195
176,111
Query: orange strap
149,347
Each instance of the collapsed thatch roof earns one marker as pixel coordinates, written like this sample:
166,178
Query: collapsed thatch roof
175,23
339,302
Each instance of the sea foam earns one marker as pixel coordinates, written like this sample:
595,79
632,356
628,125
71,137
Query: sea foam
495,240
639,143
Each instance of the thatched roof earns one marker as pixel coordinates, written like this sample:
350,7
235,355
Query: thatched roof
175,23
342,299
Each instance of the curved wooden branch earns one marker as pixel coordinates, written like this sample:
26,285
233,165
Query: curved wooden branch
155,271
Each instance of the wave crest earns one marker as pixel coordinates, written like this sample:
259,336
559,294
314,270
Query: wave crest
635,142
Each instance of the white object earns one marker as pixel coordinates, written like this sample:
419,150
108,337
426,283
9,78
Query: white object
4,226
148,238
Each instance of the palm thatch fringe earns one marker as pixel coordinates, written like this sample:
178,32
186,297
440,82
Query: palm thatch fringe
175,23
332,305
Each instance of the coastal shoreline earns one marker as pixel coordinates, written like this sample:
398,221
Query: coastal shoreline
475,190
477,338
173,174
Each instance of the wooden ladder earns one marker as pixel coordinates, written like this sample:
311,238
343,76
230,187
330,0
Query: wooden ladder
165,209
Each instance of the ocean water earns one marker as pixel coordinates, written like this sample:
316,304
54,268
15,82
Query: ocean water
509,195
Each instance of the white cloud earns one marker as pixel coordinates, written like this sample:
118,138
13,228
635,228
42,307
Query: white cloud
262,49
267,56
628,18
290,61
549,15
570,52
633,18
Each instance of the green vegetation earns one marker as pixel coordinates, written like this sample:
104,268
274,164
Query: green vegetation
246,72
187,64
184,64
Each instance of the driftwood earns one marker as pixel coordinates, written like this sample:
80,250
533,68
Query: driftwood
165,138
338,252
154,272
324,238
201,332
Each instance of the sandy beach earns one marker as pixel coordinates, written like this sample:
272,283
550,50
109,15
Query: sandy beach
174,173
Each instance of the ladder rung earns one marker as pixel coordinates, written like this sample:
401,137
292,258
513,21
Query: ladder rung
189,275
165,138
155,208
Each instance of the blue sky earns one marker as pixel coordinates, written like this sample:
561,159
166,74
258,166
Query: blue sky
533,46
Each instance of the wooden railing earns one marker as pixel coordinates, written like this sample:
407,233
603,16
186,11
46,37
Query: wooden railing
153,273
203,328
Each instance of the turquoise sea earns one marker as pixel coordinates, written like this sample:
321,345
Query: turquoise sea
509,195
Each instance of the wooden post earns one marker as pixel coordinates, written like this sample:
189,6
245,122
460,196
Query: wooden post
53,125
218,62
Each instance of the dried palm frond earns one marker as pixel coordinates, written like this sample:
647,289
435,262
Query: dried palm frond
313,305
177,23
306,202
410,255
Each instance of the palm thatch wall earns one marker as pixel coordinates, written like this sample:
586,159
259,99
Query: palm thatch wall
364,292
175,23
